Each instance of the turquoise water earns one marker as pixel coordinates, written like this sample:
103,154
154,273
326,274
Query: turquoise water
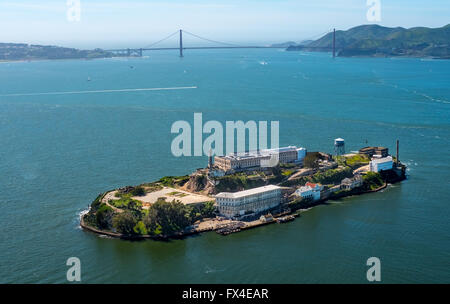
58,152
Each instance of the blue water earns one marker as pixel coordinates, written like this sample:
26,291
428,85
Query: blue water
58,152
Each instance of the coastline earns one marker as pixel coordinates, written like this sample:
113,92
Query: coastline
295,213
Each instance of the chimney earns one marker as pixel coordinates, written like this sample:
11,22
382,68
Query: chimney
397,160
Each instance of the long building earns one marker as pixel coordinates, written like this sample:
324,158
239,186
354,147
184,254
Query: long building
254,200
254,159
371,151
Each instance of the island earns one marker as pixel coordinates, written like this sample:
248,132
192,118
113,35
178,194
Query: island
378,41
236,192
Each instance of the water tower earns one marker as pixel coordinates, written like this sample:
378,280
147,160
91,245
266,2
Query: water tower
339,146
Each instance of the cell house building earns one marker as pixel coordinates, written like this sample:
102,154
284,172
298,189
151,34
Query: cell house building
253,159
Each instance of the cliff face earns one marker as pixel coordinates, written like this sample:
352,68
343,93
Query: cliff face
199,183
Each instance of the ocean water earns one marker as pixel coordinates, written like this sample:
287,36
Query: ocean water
59,151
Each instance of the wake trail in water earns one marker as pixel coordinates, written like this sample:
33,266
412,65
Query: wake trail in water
99,91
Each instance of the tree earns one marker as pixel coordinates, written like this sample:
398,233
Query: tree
139,228
167,217
125,222
104,216
138,191
311,160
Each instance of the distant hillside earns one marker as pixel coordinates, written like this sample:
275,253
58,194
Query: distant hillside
379,41
292,43
21,51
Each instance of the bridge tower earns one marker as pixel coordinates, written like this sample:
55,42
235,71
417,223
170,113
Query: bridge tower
334,42
181,43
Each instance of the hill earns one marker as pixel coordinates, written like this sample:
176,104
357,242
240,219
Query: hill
22,51
380,41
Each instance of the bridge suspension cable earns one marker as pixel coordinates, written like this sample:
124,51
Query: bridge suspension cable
210,40
159,41
315,37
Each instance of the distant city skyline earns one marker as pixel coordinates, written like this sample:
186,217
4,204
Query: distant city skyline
138,23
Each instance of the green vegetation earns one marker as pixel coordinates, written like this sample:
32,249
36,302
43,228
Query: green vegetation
166,218
372,181
171,181
140,228
238,181
123,203
138,191
376,40
328,177
104,216
332,176
200,211
311,160
357,161
287,173
125,222
22,51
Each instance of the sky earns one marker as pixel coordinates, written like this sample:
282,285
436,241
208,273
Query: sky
138,23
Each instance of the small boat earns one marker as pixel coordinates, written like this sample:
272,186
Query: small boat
89,79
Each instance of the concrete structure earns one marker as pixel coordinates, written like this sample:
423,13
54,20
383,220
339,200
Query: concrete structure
266,218
371,151
254,200
310,191
379,164
254,159
352,183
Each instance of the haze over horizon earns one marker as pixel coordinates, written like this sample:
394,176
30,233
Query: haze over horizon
138,23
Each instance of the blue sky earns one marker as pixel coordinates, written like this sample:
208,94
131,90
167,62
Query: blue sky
136,23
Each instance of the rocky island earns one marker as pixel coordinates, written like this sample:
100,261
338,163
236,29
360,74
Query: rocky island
235,192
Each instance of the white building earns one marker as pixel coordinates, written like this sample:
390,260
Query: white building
352,183
310,191
253,159
378,164
253,200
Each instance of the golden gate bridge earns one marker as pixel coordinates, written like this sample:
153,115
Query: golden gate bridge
137,52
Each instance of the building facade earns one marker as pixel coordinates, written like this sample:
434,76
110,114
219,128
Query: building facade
310,191
352,183
371,151
254,159
379,164
254,200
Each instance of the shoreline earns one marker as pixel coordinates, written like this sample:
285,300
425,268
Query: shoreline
182,235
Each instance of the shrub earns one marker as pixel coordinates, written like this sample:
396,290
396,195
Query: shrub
167,217
125,222
139,228
138,191
372,181
104,216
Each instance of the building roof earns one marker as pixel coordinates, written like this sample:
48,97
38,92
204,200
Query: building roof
312,185
381,160
247,192
372,148
259,153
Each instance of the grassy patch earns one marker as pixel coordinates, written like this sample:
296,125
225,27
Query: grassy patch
357,160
